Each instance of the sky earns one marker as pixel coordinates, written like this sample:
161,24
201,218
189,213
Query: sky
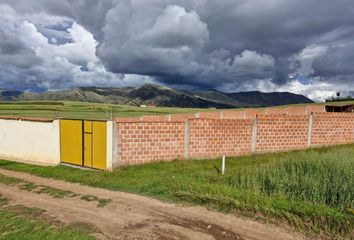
300,46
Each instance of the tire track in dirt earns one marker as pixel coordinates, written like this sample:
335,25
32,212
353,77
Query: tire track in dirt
130,216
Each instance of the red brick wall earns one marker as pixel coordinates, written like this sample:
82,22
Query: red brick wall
299,110
315,109
215,137
252,112
281,132
233,114
275,111
152,138
127,119
210,115
332,128
181,117
142,142
155,118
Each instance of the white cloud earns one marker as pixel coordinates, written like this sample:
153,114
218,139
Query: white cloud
175,27
57,66
229,44
163,41
253,63
307,56
315,90
81,50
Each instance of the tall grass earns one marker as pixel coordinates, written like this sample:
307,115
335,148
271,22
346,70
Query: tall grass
310,189
314,176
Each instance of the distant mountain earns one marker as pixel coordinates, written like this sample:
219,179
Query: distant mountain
161,96
8,95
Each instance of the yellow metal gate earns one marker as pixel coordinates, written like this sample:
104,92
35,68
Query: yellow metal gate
71,141
83,143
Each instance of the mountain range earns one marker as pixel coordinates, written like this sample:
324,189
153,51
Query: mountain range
152,94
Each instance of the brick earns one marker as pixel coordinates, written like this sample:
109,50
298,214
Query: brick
142,140
332,128
215,137
277,132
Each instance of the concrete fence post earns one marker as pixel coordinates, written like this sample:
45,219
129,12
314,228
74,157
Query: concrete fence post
186,139
222,115
254,135
109,147
115,150
307,110
309,132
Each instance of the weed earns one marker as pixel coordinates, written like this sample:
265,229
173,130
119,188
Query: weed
27,186
55,192
101,202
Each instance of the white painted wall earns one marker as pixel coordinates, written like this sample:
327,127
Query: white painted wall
29,141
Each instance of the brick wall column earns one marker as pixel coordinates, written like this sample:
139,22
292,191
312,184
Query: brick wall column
186,139
309,133
254,135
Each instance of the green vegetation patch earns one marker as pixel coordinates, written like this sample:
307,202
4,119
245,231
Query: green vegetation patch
19,222
312,190
53,192
101,202
9,180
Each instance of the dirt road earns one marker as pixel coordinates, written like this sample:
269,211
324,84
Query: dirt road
129,216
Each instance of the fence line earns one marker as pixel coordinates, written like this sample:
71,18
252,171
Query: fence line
145,140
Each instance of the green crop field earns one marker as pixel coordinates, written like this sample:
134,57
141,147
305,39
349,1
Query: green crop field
64,109
48,109
311,190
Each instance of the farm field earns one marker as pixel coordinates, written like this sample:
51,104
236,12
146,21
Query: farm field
49,109
78,110
311,190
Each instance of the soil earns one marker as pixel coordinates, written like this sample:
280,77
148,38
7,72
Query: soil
130,216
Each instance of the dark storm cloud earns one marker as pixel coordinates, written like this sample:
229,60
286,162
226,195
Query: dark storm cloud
233,44
337,61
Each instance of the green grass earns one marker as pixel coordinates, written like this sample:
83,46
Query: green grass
15,225
31,187
101,202
78,110
312,190
53,192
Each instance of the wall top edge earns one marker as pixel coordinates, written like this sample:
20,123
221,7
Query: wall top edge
27,119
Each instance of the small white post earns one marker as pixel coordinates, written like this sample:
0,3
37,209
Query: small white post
223,165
